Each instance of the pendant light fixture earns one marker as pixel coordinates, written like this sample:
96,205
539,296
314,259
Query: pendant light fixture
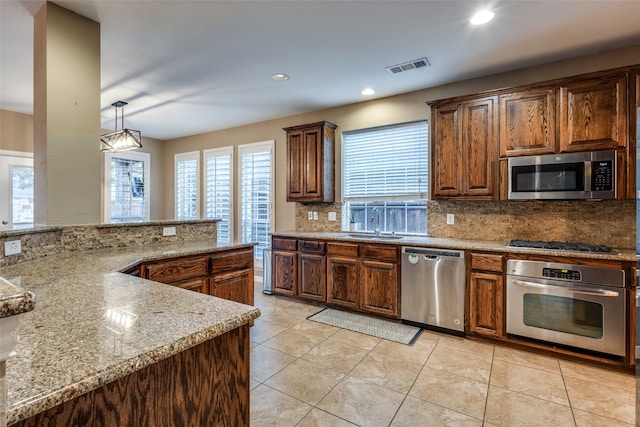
123,139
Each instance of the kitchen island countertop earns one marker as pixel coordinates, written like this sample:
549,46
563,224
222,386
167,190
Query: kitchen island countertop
93,324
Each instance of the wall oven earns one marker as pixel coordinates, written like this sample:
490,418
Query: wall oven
572,305
589,175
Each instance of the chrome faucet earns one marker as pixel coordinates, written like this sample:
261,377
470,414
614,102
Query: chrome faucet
375,214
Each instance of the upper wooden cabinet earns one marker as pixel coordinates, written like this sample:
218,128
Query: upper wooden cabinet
593,114
465,150
528,123
311,162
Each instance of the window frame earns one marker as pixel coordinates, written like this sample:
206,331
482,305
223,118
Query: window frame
128,155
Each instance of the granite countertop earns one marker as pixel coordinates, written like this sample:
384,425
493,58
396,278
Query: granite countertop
93,324
14,300
461,244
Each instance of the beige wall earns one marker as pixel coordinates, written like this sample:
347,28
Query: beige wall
66,117
402,108
16,131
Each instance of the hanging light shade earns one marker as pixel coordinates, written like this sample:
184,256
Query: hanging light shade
123,139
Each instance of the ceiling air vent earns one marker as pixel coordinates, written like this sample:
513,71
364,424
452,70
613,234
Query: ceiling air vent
411,65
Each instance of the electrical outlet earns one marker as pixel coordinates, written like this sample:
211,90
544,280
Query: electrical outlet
315,216
450,219
12,247
310,215
168,231
332,216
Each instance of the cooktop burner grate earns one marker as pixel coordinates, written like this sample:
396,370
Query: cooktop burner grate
559,246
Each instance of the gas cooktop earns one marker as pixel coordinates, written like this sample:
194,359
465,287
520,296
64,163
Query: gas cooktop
558,246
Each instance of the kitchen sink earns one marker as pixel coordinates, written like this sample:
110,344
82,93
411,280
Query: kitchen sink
372,236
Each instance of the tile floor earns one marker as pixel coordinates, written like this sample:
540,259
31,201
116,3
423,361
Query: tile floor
308,374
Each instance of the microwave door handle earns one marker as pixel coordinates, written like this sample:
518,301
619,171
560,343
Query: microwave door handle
583,291
587,176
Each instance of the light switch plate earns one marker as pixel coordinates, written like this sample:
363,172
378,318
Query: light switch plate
12,247
450,219
168,231
315,216
332,216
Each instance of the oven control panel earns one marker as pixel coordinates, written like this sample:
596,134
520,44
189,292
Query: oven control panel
561,273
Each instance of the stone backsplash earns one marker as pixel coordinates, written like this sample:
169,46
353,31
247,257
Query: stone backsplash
37,243
612,223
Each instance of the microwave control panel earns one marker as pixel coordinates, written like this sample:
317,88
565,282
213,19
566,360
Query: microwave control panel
602,175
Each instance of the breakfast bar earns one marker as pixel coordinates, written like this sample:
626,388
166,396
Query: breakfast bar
109,348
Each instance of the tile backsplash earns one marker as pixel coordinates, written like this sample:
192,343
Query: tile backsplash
612,223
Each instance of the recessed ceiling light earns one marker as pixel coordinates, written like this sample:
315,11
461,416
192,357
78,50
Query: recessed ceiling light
280,77
368,91
482,17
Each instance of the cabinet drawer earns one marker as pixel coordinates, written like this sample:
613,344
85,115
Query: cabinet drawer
344,249
488,262
379,253
196,285
231,261
311,246
286,244
177,270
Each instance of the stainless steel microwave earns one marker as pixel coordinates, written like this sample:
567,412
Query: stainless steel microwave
568,176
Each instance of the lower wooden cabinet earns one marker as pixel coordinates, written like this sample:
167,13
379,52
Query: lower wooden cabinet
232,276
379,281
486,295
225,274
285,272
313,277
343,287
355,276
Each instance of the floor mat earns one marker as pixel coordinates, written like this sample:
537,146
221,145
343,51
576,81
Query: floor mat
385,329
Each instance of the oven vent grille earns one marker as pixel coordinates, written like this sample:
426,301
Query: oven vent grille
411,65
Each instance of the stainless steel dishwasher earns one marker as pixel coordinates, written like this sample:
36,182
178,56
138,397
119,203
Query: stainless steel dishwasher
433,287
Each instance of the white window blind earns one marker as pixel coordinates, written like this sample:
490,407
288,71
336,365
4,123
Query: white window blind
218,178
187,167
257,194
127,184
389,162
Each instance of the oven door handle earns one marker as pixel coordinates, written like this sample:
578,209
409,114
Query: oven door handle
583,291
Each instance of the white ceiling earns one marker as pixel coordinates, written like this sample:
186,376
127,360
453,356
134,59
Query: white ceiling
188,67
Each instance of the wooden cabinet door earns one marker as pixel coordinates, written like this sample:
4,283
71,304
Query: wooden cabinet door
342,281
284,273
528,123
379,281
296,164
313,165
446,151
593,114
312,270
234,286
486,303
479,148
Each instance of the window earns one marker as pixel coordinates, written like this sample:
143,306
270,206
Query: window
218,177
385,177
256,173
16,189
187,169
127,182
22,184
